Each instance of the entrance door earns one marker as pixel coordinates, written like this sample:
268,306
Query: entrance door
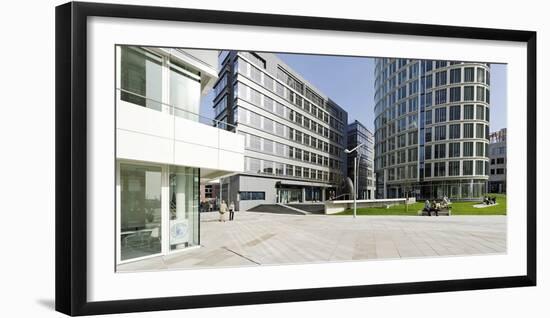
184,208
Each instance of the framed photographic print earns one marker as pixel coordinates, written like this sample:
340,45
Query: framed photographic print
210,158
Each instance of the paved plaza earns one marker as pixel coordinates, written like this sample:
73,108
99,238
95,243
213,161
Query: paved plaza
255,238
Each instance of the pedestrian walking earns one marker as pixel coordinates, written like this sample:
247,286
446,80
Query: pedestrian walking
231,211
223,210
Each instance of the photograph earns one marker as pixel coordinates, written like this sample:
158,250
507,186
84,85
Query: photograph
228,158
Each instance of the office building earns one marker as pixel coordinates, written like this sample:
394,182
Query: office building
294,135
358,134
431,128
163,150
497,157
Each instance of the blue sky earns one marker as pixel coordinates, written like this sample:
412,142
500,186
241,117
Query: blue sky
349,81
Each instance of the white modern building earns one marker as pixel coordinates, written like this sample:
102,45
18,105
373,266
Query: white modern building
358,134
164,148
295,135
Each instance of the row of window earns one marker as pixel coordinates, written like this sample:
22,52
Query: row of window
258,99
497,171
282,91
251,195
245,116
268,167
430,152
440,77
498,161
441,169
271,147
438,115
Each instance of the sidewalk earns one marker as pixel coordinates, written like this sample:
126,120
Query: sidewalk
266,239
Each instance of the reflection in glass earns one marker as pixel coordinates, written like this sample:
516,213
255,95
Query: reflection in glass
141,77
140,228
185,92
184,207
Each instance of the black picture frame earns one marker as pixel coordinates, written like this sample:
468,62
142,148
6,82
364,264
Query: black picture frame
71,157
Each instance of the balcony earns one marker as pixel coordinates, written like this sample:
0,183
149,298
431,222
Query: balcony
170,135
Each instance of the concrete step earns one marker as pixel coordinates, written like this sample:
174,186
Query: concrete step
274,208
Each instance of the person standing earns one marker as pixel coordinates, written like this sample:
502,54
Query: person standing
231,211
223,210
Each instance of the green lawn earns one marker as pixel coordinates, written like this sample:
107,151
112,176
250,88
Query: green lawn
459,208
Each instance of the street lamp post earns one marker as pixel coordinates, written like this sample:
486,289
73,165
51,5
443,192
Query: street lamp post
355,190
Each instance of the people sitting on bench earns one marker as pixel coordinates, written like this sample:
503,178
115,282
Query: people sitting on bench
431,207
487,200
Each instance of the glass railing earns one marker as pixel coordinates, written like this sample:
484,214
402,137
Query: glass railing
144,101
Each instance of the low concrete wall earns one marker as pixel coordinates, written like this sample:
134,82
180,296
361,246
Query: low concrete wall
332,207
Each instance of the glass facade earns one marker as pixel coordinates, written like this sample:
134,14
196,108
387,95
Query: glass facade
184,207
140,211
293,135
453,108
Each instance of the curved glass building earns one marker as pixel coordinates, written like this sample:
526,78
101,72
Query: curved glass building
431,128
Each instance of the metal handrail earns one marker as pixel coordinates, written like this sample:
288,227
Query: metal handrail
216,123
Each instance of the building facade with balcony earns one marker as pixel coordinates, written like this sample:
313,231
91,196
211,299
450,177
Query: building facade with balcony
498,160
358,134
294,135
431,128
164,149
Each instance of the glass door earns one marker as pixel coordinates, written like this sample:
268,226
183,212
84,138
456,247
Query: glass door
184,207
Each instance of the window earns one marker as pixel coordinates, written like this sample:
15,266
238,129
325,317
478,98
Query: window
428,99
468,149
455,75
441,78
480,170
468,111
454,112
413,104
500,161
454,131
468,131
428,152
468,74
413,138
454,168
468,93
480,149
440,114
441,96
402,92
413,87
454,149
480,131
500,171
440,150
439,169
246,196
289,169
467,168
480,112
429,134
481,75
428,170
440,132
428,115
140,207
412,154
454,93
141,78
480,96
